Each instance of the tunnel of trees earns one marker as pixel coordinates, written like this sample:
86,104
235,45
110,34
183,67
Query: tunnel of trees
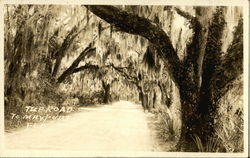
188,60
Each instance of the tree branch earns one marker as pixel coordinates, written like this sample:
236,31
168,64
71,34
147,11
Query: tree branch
212,59
136,25
124,74
86,52
63,49
86,67
231,64
196,48
186,15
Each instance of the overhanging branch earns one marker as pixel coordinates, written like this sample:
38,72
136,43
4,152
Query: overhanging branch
63,49
186,15
121,71
136,25
86,67
86,52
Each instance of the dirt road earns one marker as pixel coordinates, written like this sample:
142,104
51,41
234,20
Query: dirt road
121,126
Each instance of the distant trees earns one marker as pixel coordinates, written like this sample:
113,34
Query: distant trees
203,76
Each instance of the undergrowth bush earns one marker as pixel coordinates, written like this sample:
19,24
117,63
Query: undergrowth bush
87,99
167,129
212,144
230,120
39,93
230,131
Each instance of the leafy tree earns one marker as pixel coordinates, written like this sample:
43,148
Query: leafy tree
201,83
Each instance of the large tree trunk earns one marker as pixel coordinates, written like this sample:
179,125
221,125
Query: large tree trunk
143,97
150,101
145,101
154,99
165,99
106,96
163,94
194,121
194,85
190,117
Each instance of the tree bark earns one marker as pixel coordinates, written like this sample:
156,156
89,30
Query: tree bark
212,57
190,121
195,92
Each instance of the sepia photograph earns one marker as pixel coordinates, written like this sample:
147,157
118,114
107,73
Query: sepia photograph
144,80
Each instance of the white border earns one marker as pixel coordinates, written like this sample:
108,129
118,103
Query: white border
246,74
43,153
1,80
133,2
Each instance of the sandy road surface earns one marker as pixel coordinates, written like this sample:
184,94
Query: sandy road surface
121,126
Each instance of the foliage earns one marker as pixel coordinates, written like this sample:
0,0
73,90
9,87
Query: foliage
40,93
169,125
229,126
212,144
90,99
232,139
28,55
